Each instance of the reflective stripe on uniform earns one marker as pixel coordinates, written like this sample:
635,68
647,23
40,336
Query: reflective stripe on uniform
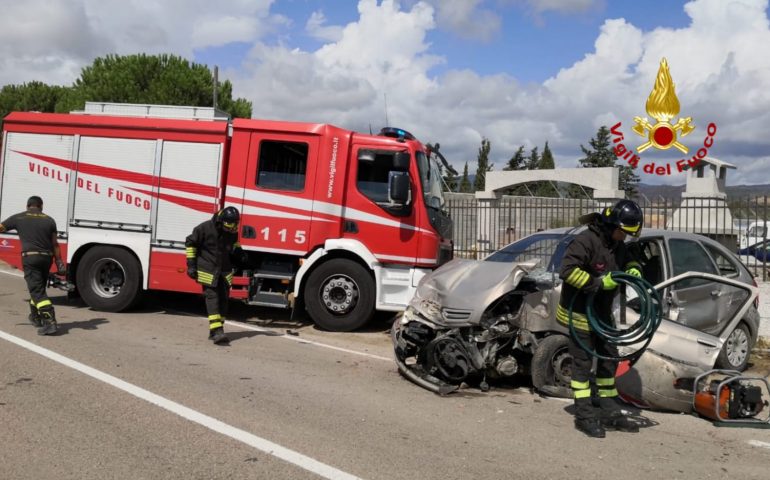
215,325
579,385
229,278
205,277
608,392
586,393
215,316
191,252
42,304
579,320
605,382
578,278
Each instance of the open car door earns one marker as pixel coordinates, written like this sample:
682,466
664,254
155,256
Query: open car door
681,348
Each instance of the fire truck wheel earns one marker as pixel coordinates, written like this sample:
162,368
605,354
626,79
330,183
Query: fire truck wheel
339,295
109,279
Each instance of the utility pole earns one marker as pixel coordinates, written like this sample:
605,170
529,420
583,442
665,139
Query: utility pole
216,84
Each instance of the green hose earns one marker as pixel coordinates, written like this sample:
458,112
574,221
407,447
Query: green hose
641,331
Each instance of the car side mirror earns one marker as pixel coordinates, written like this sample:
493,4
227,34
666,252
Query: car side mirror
399,191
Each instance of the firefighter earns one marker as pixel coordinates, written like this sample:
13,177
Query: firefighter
39,248
209,248
585,269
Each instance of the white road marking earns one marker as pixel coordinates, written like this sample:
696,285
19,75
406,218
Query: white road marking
246,326
266,446
13,274
757,443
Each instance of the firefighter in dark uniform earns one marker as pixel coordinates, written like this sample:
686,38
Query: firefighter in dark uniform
585,269
209,248
39,248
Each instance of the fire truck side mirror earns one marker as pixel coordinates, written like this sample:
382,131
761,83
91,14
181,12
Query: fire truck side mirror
401,161
399,192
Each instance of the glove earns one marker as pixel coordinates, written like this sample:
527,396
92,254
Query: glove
608,283
635,272
192,270
61,268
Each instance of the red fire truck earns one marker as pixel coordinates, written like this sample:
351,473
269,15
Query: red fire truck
340,222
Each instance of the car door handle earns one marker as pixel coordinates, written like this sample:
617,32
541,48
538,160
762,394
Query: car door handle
706,343
716,293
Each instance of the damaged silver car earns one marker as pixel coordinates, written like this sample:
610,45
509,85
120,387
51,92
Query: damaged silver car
471,321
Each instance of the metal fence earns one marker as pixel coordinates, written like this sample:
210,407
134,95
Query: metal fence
482,226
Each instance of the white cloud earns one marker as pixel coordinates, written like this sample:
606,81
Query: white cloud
315,28
466,19
51,40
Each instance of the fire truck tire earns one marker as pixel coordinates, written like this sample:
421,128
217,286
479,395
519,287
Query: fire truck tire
339,295
109,279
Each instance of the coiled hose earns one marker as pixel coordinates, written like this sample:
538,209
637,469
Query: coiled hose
642,330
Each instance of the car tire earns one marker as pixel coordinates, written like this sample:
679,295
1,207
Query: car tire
109,279
552,366
736,350
339,295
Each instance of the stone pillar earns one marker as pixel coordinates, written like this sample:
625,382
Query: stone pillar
487,223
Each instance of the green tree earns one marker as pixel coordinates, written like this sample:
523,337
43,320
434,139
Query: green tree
465,183
546,160
153,79
483,165
32,96
517,161
533,161
601,155
546,189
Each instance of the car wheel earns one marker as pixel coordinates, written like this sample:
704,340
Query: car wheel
339,295
109,279
736,350
552,366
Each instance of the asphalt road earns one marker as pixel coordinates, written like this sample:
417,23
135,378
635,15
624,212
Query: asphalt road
144,395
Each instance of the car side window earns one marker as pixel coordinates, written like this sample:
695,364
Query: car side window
689,256
727,267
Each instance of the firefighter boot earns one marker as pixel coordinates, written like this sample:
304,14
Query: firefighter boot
591,427
217,335
585,419
34,315
613,418
48,317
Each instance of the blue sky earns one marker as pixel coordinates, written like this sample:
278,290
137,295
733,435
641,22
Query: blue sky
529,46
515,72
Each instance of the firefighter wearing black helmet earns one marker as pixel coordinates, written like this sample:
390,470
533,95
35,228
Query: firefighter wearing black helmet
585,269
209,249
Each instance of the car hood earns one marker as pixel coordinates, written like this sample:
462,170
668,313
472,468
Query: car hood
461,290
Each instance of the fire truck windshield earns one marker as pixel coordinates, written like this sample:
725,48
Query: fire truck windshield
430,179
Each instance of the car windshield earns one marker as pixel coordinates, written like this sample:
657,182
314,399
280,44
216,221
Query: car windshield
430,177
547,248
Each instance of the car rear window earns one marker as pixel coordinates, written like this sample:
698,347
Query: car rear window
727,266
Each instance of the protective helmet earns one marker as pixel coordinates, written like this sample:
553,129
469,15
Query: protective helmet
229,218
625,215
